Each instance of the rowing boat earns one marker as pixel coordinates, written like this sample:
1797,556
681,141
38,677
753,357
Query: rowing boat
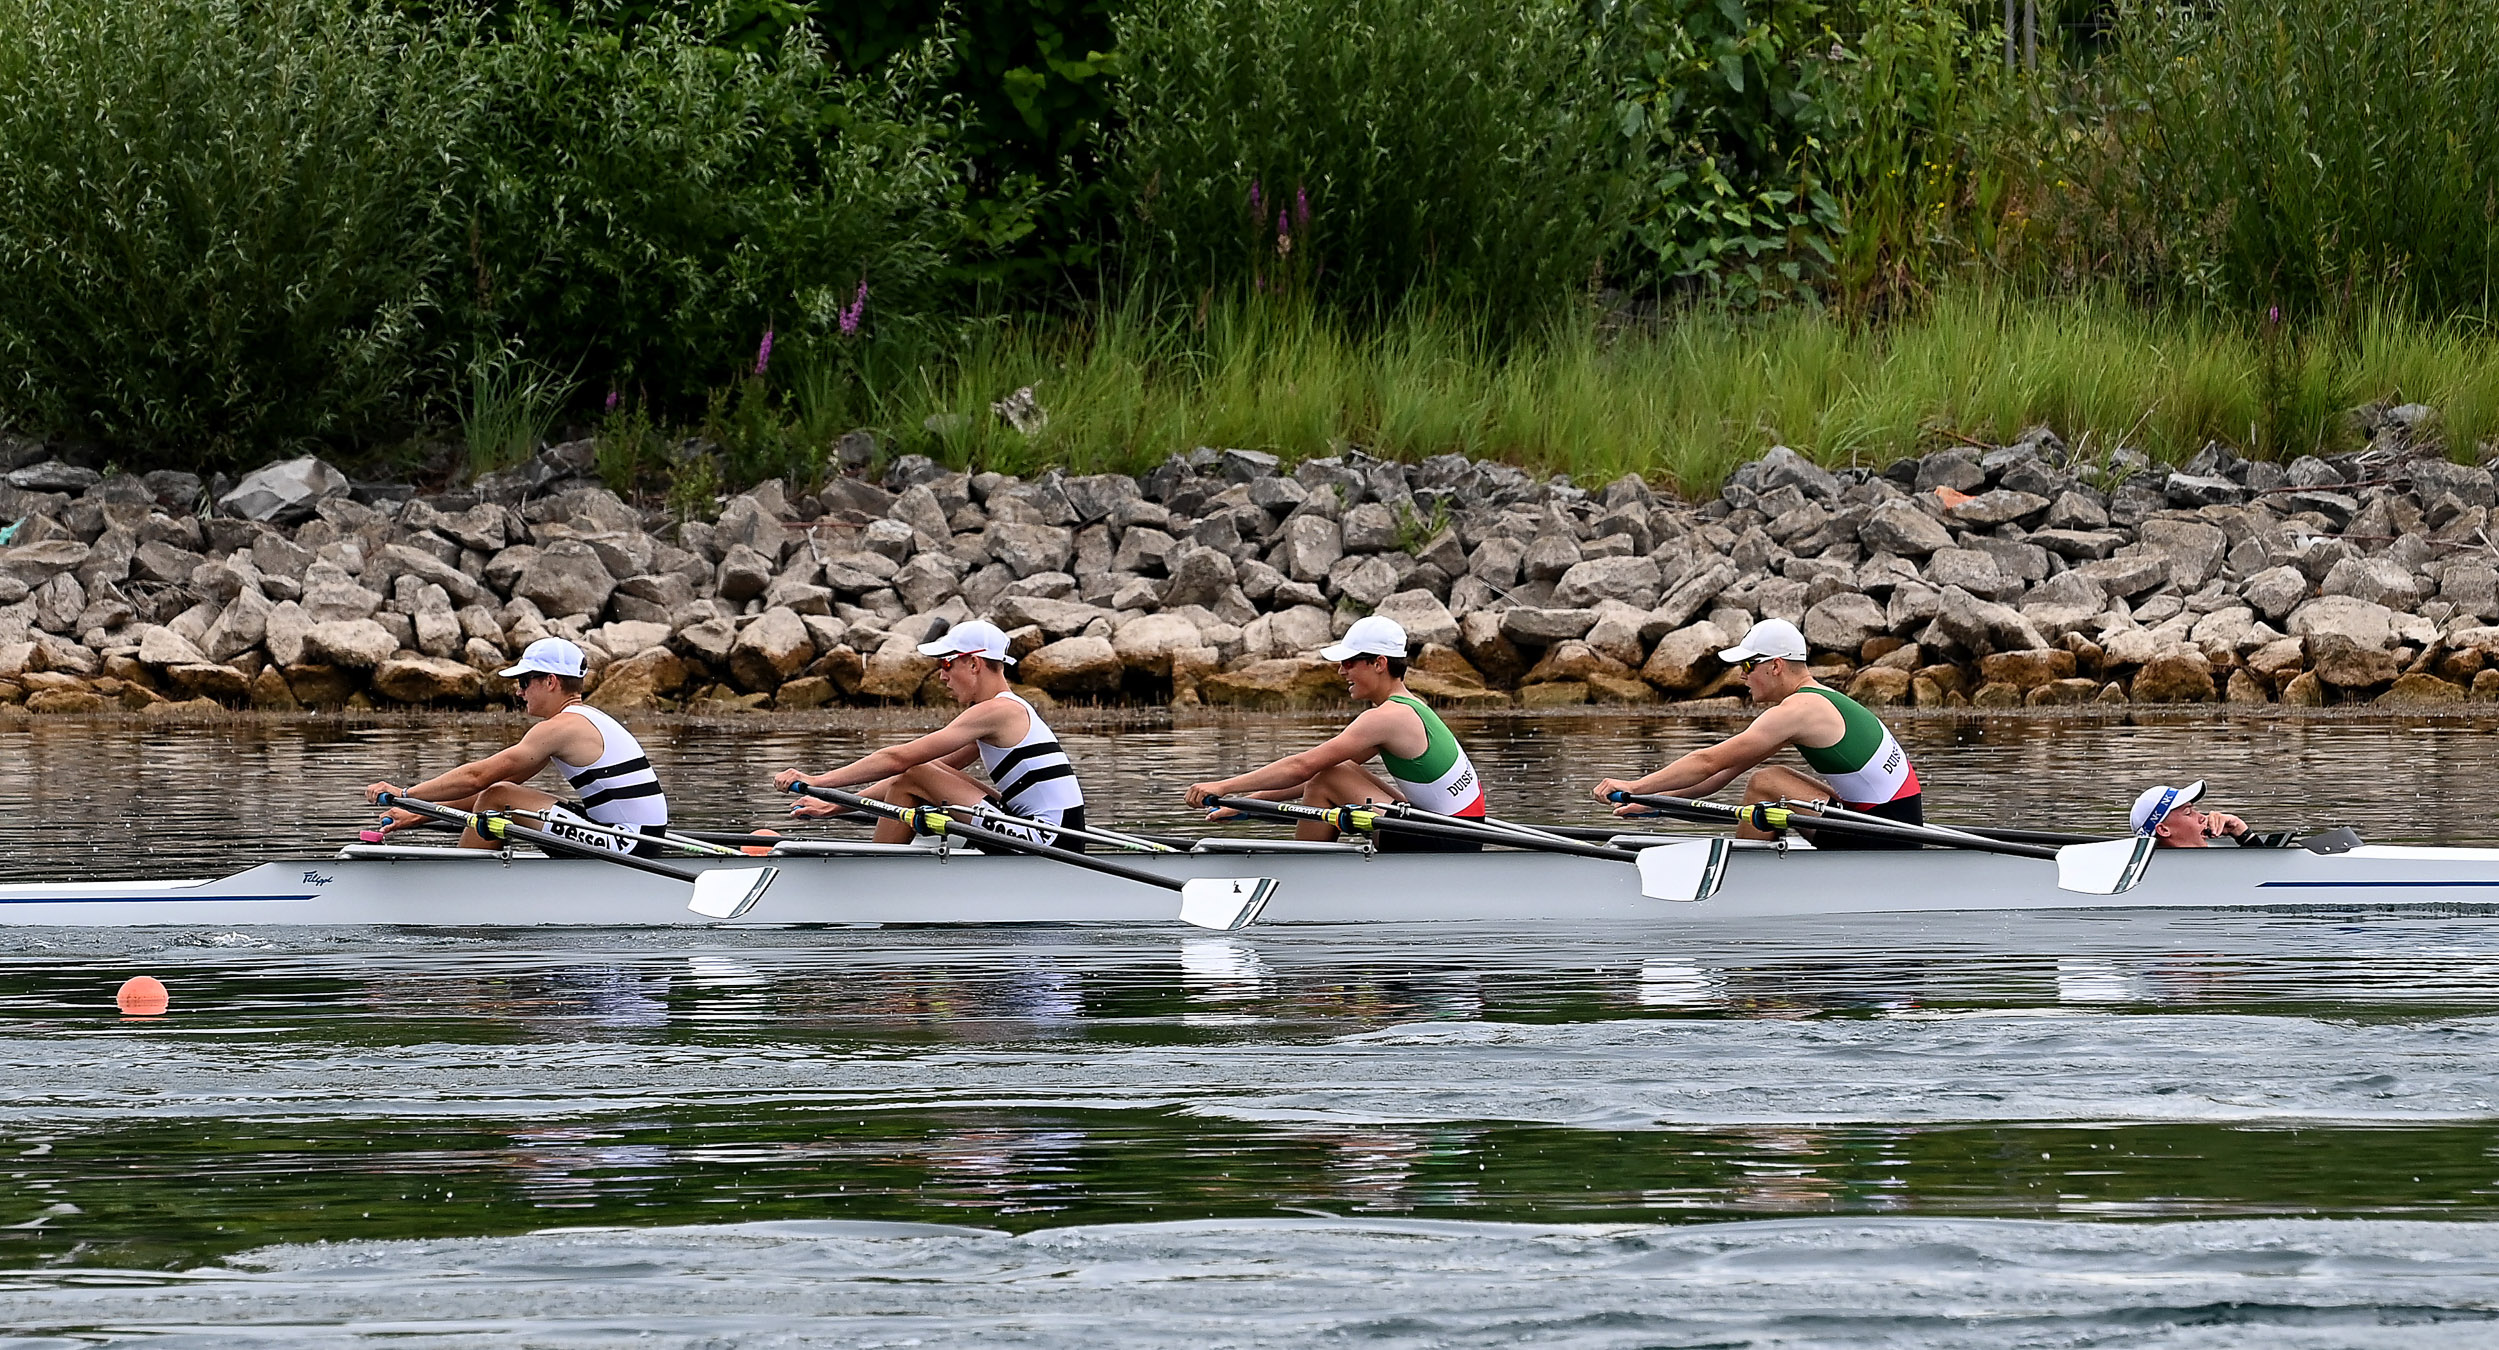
839,882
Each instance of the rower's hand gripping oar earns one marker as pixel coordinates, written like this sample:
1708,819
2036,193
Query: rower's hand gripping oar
1222,903
1687,870
2108,867
719,893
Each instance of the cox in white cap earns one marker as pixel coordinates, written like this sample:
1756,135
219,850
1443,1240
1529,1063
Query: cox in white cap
547,656
2170,816
1371,635
973,637
1769,640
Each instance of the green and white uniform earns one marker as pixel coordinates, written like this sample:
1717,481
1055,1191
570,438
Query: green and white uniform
1440,780
1866,766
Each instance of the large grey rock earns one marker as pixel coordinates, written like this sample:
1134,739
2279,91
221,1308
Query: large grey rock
1496,561
282,634
1364,578
2194,549
399,560
1310,545
2380,580
1031,548
356,644
771,649
1369,528
2192,490
2128,576
1686,659
2002,506
754,523
2363,623
163,563
337,601
240,626
1199,576
858,572
743,575
427,679
1423,616
1983,626
918,508
160,647
1633,581
1972,570
53,475
1783,467
1843,623
1694,594
2468,483
284,493
39,562
1055,618
1538,627
2276,591
928,579
1147,641
2472,587
566,578
1144,550
1902,527
1550,557
1074,665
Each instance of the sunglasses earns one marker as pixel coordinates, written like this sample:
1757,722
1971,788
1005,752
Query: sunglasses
949,662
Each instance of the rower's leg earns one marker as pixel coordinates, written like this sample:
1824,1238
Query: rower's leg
1775,784
923,785
1339,785
502,797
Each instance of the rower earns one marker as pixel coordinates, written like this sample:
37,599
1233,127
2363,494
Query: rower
1426,767
1858,762
2171,817
595,754
1032,775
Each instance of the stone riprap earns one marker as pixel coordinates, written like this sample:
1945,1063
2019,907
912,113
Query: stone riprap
1992,577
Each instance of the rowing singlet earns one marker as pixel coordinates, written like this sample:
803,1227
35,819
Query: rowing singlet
1866,766
1442,780
1033,775
619,787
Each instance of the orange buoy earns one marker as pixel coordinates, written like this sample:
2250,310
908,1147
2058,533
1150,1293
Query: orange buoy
142,996
760,850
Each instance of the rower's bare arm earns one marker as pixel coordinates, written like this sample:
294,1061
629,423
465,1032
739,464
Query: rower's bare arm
952,745
1355,744
1712,767
516,764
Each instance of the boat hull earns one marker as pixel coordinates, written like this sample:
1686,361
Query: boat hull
447,888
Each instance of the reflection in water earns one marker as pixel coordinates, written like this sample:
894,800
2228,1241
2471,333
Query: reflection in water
1668,984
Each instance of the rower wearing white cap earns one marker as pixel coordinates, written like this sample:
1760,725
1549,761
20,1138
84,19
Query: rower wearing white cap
1854,757
2173,820
596,755
1032,775
1425,764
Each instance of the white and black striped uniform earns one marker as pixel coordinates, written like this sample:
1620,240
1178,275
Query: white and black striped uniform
618,789
1033,776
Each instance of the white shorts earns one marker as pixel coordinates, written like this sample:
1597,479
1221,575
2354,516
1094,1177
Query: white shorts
564,819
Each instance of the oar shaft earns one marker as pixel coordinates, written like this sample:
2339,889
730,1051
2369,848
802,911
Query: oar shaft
953,825
1374,819
497,827
1688,808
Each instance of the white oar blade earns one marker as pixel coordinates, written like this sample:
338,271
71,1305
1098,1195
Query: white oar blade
727,892
1688,871
1224,903
2110,867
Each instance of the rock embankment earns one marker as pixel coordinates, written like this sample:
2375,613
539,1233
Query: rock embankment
1990,577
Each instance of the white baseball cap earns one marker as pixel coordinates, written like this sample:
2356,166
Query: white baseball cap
1769,639
547,656
2156,803
1371,635
972,637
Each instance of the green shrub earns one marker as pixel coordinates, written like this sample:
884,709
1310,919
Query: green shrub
219,224
2310,154
1367,148
647,204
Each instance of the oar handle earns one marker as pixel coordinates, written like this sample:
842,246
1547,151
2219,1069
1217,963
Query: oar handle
497,827
936,820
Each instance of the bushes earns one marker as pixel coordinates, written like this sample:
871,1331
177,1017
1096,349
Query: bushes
2312,154
220,220
643,205
1359,149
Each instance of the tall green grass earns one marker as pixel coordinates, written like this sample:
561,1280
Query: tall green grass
1685,401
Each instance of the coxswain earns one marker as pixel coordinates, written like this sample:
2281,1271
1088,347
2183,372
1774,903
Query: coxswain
601,760
2173,820
1426,766
1029,775
1856,762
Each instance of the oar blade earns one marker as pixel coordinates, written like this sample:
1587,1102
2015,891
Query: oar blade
727,892
1689,871
1225,903
2110,867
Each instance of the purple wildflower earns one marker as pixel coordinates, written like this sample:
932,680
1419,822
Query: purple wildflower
614,398
763,352
858,306
1284,228
1258,204
1301,207
2274,315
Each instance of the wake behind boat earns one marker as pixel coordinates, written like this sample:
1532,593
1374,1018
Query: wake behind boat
839,882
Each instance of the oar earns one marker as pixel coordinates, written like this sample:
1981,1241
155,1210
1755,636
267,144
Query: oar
1686,870
1208,902
991,815
2109,867
719,893
683,842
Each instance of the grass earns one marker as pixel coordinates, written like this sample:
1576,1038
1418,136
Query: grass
1682,402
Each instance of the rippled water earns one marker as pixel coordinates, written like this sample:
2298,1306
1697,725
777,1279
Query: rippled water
1985,1130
